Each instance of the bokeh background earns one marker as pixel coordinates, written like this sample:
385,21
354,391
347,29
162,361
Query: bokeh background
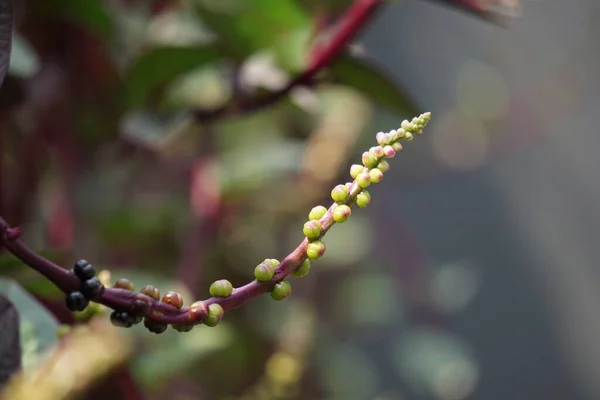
472,274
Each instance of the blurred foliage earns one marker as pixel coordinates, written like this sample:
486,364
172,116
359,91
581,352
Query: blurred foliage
102,158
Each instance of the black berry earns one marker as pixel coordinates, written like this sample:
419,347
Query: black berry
122,319
76,301
84,270
154,327
92,288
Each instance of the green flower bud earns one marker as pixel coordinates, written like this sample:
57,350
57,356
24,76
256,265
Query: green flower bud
397,146
264,272
384,138
399,134
341,213
312,229
173,298
369,159
376,175
315,250
221,288
281,290
151,291
363,199
317,213
215,315
405,125
356,169
413,127
198,311
363,179
384,166
271,261
339,194
303,270
377,151
124,284
408,136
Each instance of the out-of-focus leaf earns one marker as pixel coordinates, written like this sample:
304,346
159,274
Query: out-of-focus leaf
247,26
38,327
10,348
24,62
161,65
90,15
374,84
6,28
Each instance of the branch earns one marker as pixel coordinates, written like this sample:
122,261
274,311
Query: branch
141,305
349,25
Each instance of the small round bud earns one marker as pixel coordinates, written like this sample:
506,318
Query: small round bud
363,199
340,193
173,298
377,151
281,290
369,159
312,229
419,131
198,311
405,125
76,301
215,315
399,134
271,261
397,146
413,127
264,272
84,270
363,179
341,213
384,166
376,175
92,288
408,136
389,151
379,137
315,250
182,327
151,291
317,213
221,288
303,270
122,319
154,327
124,284
385,138
356,169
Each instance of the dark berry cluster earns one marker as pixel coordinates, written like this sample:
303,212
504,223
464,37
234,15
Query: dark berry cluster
91,287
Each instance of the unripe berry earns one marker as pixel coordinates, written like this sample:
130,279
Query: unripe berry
124,284
281,290
356,169
84,270
340,193
271,261
397,146
151,291
173,298
317,213
384,166
198,311
121,319
376,175
303,270
182,327
221,288
215,315
341,213
76,301
92,288
408,136
363,179
312,229
377,151
363,199
264,272
369,159
389,151
315,250
154,327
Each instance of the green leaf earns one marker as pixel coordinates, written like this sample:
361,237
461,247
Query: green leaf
38,327
6,30
90,15
161,65
374,84
247,26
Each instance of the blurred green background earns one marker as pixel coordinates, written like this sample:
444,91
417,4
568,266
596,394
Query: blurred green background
470,276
